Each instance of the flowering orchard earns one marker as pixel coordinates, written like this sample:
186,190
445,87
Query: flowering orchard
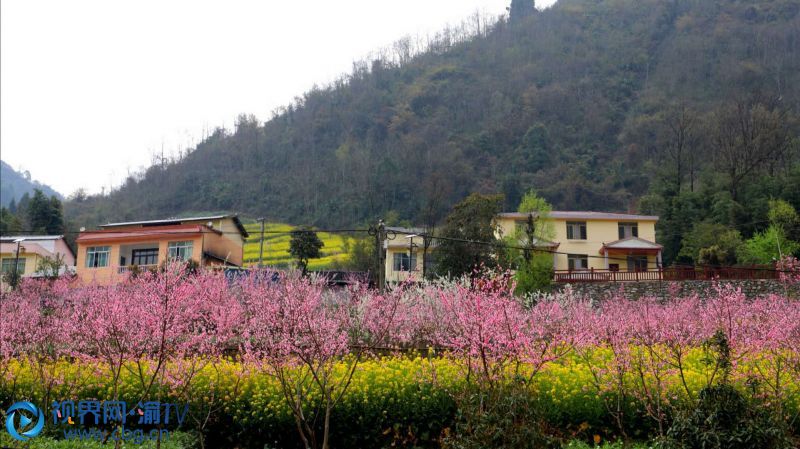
269,356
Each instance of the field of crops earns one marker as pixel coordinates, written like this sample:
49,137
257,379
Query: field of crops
287,362
276,247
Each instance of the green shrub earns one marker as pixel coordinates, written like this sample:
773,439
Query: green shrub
502,417
725,419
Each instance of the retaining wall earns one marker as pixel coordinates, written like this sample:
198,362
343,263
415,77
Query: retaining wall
666,289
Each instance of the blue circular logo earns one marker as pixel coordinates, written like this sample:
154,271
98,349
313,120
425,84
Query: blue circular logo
27,413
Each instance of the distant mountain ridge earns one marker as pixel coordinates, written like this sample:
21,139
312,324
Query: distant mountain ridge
572,101
13,185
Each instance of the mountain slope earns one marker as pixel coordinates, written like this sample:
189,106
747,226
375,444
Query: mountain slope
564,102
13,185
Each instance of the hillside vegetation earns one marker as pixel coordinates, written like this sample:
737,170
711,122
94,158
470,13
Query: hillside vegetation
683,108
14,185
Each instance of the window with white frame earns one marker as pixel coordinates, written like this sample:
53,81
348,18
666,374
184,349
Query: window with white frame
576,230
628,230
8,265
97,256
402,262
180,250
578,261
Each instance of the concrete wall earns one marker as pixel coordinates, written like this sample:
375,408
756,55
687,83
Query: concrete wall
598,291
227,246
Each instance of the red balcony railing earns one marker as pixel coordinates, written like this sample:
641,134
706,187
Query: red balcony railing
676,273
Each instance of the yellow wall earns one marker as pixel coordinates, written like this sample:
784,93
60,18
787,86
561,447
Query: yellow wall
598,232
400,276
31,261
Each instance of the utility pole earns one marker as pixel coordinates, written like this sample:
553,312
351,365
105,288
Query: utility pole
426,243
261,244
14,278
530,229
381,235
411,246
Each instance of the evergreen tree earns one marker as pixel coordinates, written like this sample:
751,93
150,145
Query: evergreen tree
45,216
304,245
9,222
469,236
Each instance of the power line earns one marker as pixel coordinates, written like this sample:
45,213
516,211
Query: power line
549,251
144,232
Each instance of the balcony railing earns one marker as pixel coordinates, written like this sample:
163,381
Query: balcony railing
129,268
677,273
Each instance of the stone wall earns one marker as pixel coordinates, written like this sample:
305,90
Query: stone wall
667,289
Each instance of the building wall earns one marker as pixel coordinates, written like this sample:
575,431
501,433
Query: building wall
400,276
228,246
110,273
31,261
62,248
598,232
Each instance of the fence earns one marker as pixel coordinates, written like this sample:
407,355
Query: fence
675,273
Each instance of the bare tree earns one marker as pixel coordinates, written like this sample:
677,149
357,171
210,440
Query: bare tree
747,137
682,144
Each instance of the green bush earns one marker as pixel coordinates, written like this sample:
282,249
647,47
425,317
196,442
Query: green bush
502,417
725,419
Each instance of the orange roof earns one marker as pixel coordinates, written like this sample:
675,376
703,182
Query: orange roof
142,233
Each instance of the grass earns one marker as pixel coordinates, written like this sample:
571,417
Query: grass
276,247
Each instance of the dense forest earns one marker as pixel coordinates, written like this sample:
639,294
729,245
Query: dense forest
684,108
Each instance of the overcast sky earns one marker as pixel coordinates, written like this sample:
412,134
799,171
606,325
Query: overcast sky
92,89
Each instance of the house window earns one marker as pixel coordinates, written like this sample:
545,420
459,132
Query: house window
97,256
8,265
180,250
628,230
576,230
147,256
578,261
404,263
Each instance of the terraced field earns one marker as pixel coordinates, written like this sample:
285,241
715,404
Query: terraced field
276,247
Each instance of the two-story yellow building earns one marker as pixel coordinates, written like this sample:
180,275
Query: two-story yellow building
595,240
117,247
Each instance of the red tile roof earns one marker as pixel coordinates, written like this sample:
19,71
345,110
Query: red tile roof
135,234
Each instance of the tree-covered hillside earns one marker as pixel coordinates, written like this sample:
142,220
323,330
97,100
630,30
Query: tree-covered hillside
13,185
690,104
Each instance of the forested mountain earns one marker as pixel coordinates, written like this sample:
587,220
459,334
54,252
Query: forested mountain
13,185
685,108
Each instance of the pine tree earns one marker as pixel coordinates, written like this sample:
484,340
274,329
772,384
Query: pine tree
45,216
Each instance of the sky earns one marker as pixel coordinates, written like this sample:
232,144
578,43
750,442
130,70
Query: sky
92,90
